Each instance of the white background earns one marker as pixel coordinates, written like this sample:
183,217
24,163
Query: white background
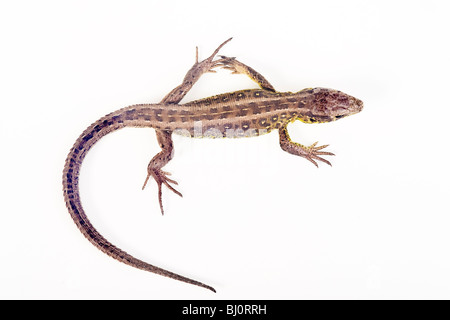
255,222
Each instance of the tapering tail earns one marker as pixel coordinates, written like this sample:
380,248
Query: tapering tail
71,173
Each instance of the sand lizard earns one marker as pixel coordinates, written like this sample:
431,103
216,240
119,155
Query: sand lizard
237,114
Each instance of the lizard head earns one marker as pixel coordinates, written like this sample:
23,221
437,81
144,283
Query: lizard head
325,105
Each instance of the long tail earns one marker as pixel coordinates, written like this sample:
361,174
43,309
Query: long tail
71,173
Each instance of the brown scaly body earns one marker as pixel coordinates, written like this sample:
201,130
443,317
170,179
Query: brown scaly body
237,114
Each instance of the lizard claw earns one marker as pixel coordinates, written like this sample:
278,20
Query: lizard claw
229,63
209,64
313,153
161,178
236,67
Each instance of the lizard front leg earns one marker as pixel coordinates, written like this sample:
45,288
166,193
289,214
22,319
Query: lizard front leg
238,67
164,137
310,153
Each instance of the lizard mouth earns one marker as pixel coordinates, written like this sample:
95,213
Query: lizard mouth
359,105
356,106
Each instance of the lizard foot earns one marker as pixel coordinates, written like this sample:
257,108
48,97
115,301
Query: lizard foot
161,178
208,64
312,153
230,63
236,67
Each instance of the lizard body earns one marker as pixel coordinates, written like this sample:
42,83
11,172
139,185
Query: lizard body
237,114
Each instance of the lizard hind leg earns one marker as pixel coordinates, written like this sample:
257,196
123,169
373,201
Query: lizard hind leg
164,137
159,161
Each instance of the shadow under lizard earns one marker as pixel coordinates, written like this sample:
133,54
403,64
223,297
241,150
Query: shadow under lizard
244,113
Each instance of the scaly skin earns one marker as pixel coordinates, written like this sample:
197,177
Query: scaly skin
244,113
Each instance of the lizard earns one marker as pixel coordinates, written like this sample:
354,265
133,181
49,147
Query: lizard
244,113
